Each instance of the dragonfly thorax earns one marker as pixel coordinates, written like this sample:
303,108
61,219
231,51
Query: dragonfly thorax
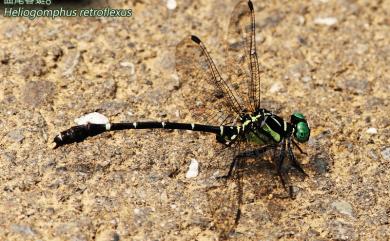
264,127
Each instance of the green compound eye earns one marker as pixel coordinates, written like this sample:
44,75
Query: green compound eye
302,132
298,115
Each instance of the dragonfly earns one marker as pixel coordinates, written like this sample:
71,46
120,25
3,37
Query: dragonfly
228,108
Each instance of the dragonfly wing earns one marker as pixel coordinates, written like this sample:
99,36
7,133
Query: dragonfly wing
209,98
241,62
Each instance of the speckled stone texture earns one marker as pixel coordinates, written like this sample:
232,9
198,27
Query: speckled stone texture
327,59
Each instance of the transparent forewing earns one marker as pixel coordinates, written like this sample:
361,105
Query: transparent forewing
241,62
224,205
209,98
224,194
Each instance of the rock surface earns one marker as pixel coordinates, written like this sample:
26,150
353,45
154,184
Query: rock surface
132,185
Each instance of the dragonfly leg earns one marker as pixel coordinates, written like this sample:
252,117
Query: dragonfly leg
247,154
282,170
299,148
295,162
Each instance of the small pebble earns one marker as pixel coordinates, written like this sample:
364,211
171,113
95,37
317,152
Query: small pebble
137,211
107,235
128,65
343,207
22,229
193,169
372,130
9,157
92,118
301,20
16,135
171,4
276,87
320,163
38,93
354,85
70,63
386,153
306,79
328,21
339,230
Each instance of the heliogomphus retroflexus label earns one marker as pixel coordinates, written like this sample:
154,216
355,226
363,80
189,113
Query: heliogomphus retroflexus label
230,109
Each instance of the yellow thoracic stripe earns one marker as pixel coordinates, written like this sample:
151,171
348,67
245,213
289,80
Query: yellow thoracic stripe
274,134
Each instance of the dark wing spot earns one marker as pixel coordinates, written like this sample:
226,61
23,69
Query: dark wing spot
195,39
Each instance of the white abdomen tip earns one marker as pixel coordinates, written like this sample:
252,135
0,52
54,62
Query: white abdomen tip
92,118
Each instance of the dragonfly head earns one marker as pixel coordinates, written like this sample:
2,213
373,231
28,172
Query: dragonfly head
301,128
